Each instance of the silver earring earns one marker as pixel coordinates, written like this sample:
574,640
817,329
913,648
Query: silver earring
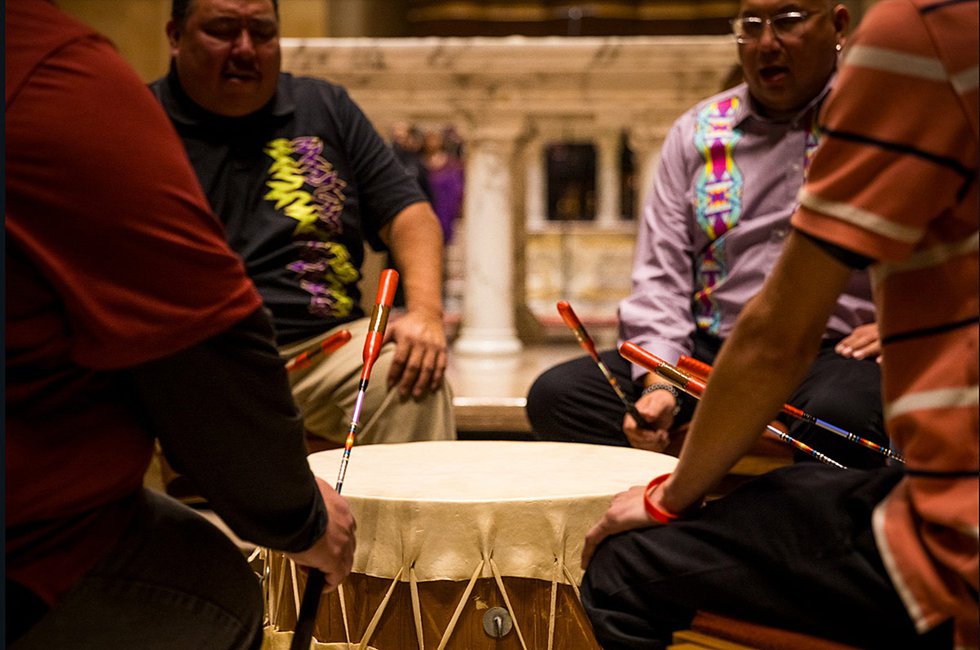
838,47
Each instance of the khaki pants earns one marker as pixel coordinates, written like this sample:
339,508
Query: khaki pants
326,392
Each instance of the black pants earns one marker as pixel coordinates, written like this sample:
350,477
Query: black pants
573,402
791,549
173,582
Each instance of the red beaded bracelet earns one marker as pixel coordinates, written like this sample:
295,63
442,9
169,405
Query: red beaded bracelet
662,516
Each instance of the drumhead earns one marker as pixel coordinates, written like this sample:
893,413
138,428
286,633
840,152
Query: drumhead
489,470
444,509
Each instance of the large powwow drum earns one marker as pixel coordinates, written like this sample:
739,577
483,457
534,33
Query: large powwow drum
464,544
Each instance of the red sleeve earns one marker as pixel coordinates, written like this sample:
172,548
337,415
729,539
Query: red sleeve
105,204
888,165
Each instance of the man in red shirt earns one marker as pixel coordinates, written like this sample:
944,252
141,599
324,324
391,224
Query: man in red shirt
128,318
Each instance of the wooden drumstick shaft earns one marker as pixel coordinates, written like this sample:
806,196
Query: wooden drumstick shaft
330,344
695,387
703,370
585,341
372,349
316,579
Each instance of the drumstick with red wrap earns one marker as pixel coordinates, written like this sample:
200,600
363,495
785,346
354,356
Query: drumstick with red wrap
702,370
584,340
695,387
330,344
316,580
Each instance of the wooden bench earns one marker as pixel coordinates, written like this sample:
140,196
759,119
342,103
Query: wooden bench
489,402
715,632
490,399
490,393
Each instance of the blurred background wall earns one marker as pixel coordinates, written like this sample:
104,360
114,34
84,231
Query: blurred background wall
137,26
571,117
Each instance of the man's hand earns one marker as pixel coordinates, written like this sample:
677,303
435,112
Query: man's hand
658,408
333,553
626,512
414,237
420,352
862,343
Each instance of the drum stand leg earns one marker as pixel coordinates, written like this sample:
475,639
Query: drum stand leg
281,586
459,606
369,632
343,614
413,584
465,597
503,592
554,597
292,573
572,582
263,576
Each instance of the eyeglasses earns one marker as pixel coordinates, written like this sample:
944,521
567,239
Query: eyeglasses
788,24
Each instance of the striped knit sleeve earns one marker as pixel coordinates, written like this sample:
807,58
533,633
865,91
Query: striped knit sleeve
897,150
896,179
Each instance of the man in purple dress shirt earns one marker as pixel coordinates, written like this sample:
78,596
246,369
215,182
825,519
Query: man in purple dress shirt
711,230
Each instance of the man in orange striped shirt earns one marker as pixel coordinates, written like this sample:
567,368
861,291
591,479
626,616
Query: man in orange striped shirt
880,558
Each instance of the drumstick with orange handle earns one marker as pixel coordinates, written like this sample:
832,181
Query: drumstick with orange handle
330,344
372,348
702,369
695,387
584,340
694,366
316,580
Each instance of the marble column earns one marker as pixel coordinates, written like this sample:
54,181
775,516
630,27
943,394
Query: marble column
488,322
536,194
608,181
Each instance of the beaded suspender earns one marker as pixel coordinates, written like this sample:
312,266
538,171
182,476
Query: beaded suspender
718,199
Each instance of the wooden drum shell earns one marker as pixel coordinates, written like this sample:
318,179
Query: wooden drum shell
448,530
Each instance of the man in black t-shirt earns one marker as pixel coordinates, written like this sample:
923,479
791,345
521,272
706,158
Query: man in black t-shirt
301,180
